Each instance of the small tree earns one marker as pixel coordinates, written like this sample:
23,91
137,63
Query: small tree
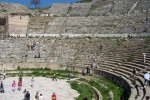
35,2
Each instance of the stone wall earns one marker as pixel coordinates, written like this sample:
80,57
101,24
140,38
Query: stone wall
13,66
120,81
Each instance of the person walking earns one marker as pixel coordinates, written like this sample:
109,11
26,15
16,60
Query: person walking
13,86
68,76
25,92
19,85
20,79
54,77
37,96
27,96
32,82
2,87
4,74
134,76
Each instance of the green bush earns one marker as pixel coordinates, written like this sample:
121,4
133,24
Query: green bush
83,89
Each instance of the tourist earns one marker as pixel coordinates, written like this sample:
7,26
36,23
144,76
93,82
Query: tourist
27,96
53,96
110,95
32,82
13,86
146,79
54,77
87,70
25,92
94,64
37,96
129,36
20,80
134,71
2,87
144,58
4,74
39,54
68,76
134,75
137,88
83,72
19,85
35,54
41,97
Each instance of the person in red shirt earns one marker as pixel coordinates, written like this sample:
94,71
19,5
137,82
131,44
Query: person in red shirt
19,85
53,96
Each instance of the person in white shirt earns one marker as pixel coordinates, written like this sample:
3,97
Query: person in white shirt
144,57
147,79
41,97
32,82
4,74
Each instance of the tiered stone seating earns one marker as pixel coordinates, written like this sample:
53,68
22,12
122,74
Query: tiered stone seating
125,68
88,52
80,9
12,51
41,46
115,60
59,9
38,24
111,55
63,51
101,7
87,25
17,25
55,25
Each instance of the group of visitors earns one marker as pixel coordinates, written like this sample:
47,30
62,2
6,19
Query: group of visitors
38,96
31,45
19,84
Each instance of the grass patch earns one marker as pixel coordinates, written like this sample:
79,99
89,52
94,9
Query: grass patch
44,72
83,89
102,90
117,91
